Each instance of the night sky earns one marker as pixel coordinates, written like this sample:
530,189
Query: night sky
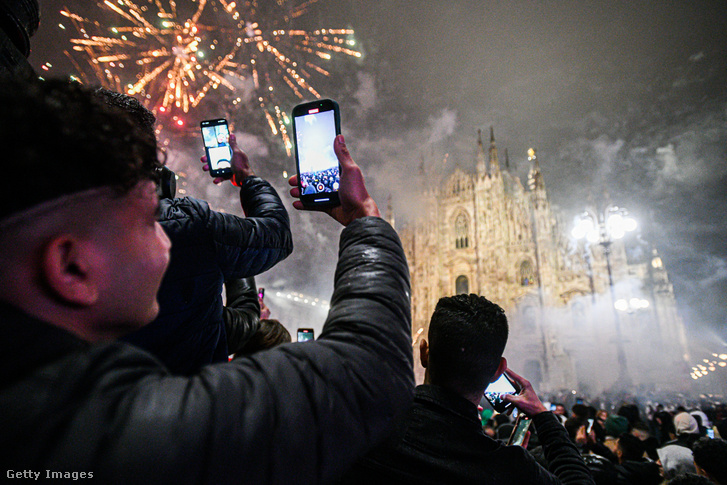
621,98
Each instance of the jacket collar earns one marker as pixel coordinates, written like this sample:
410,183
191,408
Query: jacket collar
27,343
447,399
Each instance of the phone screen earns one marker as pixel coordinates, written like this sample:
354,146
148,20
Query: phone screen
261,293
589,427
496,390
216,136
316,126
305,334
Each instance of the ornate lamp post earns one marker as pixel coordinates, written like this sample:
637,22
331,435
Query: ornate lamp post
603,229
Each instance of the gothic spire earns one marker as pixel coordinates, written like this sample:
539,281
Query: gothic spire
481,163
494,162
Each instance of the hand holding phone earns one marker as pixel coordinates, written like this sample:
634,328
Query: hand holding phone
355,199
526,400
315,126
239,165
216,139
496,391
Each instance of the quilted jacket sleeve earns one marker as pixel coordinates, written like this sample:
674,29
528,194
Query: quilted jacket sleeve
299,413
242,312
247,246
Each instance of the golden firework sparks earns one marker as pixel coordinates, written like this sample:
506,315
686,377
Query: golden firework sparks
173,53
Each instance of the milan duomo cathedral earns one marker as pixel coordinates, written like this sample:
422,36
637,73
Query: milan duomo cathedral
481,231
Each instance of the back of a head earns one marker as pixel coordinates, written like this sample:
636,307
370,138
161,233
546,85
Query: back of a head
630,412
616,426
685,423
711,456
573,424
632,448
138,112
580,411
467,335
270,334
58,139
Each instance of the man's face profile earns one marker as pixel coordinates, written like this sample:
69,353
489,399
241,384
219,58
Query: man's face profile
134,254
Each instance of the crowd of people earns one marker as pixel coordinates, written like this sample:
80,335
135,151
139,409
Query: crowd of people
321,181
634,444
115,341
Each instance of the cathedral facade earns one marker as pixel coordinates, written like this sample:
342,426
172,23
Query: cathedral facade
571,327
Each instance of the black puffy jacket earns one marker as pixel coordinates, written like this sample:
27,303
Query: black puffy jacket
299,413
208,248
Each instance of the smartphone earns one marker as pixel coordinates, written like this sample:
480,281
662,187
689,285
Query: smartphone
216,137
315,127
305,334
496,390
589,426
261,293
522,424
710,432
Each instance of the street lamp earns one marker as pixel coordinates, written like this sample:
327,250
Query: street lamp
603,229
631,305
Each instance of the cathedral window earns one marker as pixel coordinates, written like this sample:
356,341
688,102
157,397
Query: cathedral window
527,273
462,285
461,232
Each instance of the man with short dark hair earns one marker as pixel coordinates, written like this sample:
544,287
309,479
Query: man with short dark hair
81,258
440,439
710,459
208,249
633,468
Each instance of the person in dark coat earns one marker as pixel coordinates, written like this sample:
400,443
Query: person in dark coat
76,402
209,248
633,468
440,439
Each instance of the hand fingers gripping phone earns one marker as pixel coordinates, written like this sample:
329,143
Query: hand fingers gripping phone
315,127
305,334
496,390
216,137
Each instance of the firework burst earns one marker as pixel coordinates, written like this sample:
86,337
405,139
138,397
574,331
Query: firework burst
175,53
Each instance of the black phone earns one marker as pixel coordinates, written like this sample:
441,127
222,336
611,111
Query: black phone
522,424
315,127
305,334
216,138
496,390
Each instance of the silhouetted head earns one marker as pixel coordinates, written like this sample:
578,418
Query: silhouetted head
467,335
710,458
